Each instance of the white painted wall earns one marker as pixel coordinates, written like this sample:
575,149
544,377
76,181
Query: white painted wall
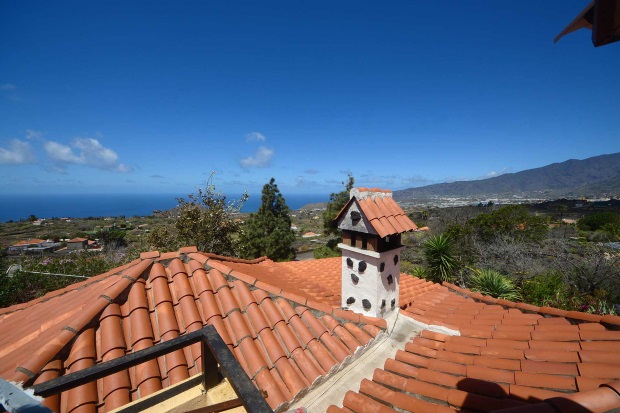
373,284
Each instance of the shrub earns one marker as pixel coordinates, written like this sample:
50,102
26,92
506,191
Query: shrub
25,285
598,220
491,282
545,289
326,252
438,253
550,289
406,266
419,272
512,220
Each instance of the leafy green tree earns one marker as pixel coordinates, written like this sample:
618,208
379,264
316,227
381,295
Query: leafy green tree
598,220
3,260
512,220
112,238
442,264
337,201
163,238
268,232
206,220
613,230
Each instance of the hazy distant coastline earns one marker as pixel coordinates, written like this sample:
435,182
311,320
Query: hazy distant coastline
16,207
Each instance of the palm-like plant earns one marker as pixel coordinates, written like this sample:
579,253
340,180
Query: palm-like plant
493,283
438,252
419,272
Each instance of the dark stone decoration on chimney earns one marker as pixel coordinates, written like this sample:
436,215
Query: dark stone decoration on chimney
382,303
366,304
393,302
395,259
350,300
355,278
355,217
362,266
349,262
382,267
390,279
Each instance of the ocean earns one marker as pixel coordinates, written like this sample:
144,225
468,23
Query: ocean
17,207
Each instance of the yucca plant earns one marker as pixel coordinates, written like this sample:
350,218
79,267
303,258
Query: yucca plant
493,283
438,252
419,272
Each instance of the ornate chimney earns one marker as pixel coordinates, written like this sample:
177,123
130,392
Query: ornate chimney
371,224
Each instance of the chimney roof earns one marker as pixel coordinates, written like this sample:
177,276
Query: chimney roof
383,213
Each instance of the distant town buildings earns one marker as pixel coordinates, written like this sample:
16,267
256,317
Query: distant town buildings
77,244
33,246
310,234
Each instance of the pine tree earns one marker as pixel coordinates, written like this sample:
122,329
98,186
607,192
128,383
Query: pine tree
268,232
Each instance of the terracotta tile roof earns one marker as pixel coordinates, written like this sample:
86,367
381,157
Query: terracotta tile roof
283,346
312,280
364,189
78,240
283,323
318,280
28,242
503,356
385,215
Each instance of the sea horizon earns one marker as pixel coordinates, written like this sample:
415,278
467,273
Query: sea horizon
17,207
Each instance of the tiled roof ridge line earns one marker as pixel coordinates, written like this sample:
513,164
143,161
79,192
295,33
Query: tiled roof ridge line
372,346
68,289
90,314
611,322
374,342
209,255
430,327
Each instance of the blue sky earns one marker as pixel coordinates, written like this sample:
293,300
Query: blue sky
131,97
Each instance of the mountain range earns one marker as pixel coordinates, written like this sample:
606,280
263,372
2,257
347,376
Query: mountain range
598,176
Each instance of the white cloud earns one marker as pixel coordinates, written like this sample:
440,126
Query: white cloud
33,134
61,153
311,171
85,151
255,136
18,152
261,159
385,181
7,86
493,174
416,180
302,182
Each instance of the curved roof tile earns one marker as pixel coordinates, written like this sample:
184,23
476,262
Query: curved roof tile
513,359
386,217
507,356
157,299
